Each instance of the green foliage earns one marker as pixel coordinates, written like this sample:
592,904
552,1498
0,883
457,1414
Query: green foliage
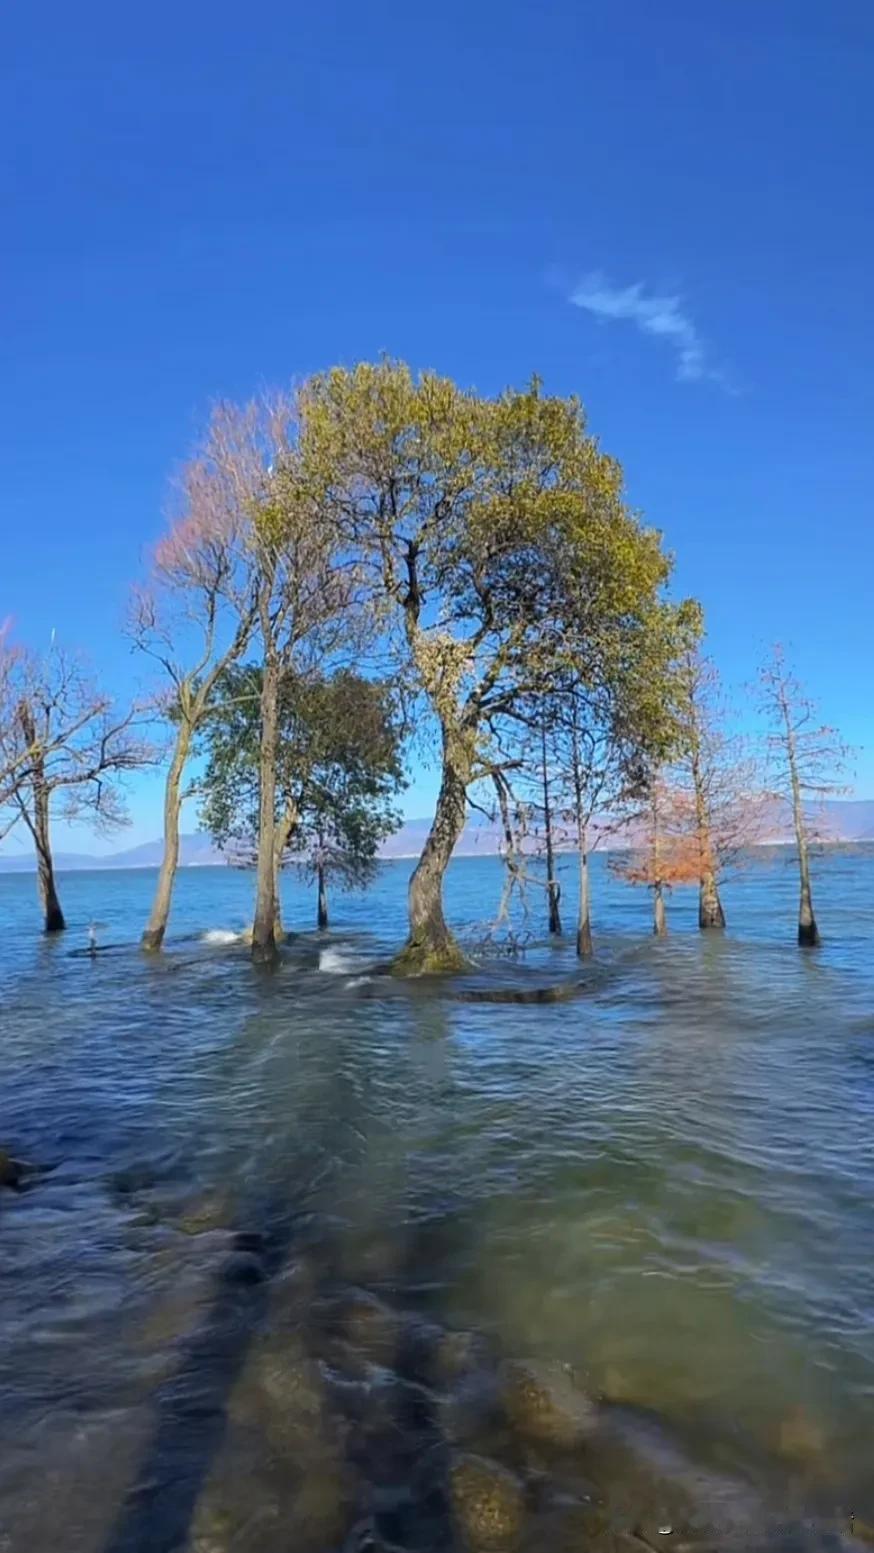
495,545
338,769
496,533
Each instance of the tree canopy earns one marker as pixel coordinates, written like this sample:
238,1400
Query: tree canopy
499,551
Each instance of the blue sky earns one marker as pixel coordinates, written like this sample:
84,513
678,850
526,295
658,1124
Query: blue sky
665,208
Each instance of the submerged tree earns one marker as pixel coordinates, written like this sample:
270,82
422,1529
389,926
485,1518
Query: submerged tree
667,854
302,594
603,772
198,612
496,543
61,740
553,888
805,758
338,771
604,735
716,771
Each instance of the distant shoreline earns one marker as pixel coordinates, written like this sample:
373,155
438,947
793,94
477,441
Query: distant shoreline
97,866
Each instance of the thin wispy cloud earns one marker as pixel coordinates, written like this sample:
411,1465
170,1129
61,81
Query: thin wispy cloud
661,317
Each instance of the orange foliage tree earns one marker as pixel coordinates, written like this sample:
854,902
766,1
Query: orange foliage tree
668,852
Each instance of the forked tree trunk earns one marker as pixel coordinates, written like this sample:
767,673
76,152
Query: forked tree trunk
264,926
156,927
659,919
553,888
584,913
322,918
430,945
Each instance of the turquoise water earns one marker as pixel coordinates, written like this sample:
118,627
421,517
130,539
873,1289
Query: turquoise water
665,1182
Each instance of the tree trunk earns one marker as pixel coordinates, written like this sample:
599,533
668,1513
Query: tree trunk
48,894
581,814
584,914
553,888
38,823
659,920
430,945
710,912
264,926
278,929
808,932
323,898
156,927
284,831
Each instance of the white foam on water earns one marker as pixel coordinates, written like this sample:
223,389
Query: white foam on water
335,962
220,935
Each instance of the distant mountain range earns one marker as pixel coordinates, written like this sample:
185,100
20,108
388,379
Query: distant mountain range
195,851
844,819
836,820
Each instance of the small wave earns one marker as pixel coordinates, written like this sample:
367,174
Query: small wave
220,935
358,981
334,962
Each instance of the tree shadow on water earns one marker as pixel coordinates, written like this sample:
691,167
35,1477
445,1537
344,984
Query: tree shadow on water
192,1405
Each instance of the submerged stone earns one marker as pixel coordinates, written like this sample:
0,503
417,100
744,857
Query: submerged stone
243,1268
281,1395
360,1327
563,992
209,1211
457,1354
544,1404
370,1325
487,1502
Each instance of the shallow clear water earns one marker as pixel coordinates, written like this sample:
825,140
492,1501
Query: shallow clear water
666,1182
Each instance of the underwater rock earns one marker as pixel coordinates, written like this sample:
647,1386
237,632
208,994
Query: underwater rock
281,1393
361,1326
563,992
209,1211
243,1268
801,1437
457,1354
487,1502
543,1403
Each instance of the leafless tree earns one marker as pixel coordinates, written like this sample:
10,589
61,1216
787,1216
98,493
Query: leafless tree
719,775
60,735
307,614
806,758
13,754
199,610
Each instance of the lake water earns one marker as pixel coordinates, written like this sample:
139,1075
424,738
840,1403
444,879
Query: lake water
292,1233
